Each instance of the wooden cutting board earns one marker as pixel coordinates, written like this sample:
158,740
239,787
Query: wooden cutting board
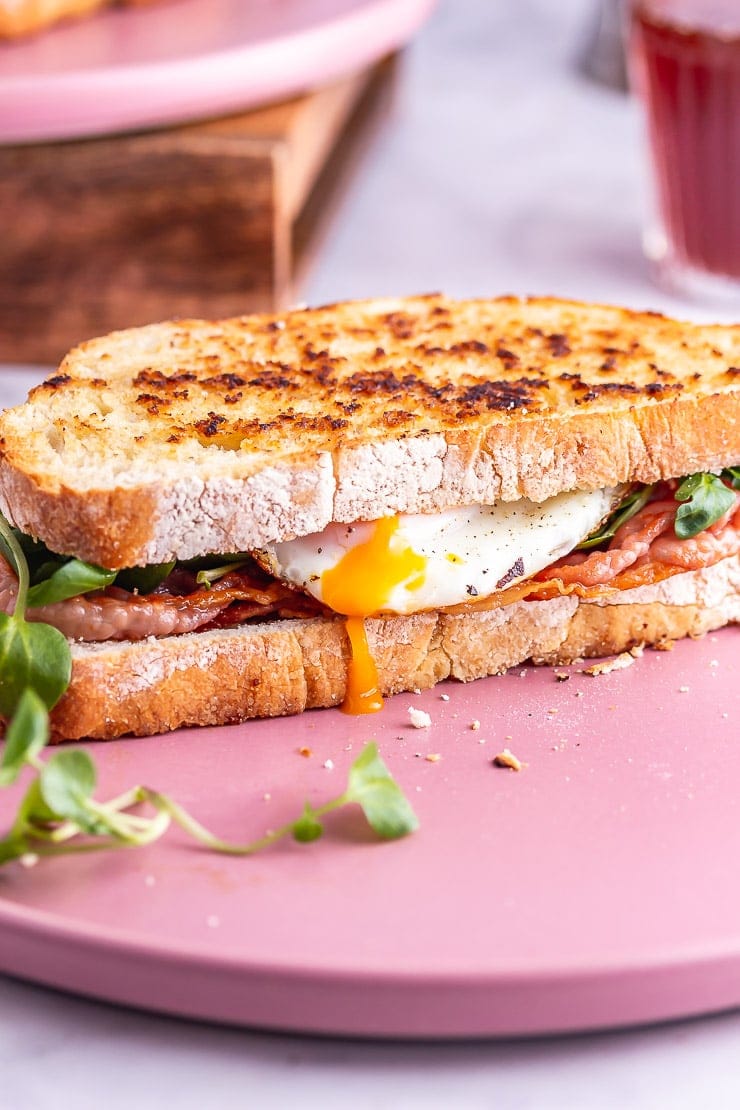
208,219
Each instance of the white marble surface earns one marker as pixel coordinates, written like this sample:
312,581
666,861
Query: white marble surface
502,170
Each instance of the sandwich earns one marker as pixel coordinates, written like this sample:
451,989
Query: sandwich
263,515
24,17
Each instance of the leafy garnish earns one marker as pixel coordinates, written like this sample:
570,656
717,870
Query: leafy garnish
144,580
705,499
208,575
59,814
32,656
625,510
371,786
67,580
26,736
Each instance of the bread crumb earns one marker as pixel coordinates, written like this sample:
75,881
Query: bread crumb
714,662
444,697
329,764
418,718
578,694
683,689
266,797
433,757
507,758
624,659
561,676
475,725
305,752
552,711
665,645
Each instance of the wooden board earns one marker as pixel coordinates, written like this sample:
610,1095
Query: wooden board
210,219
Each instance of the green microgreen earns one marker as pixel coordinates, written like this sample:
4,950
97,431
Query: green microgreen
628,507
208,575
26,735
67,580
706,498
60,815
144,580
33,656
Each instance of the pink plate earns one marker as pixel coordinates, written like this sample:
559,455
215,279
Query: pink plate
188,59
596,887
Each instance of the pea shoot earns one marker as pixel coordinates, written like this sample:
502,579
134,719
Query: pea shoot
705,500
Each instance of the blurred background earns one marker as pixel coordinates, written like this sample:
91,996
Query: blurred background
207,157
505,167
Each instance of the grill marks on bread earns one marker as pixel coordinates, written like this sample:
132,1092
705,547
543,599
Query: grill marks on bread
345,372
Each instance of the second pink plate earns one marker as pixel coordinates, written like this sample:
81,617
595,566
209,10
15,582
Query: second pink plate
595,887
188,59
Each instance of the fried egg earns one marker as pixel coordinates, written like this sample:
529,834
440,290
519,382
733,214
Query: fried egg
412,562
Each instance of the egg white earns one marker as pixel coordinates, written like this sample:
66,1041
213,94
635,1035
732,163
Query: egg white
470,552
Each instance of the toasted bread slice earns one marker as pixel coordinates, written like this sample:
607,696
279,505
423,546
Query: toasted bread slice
284,667
190,437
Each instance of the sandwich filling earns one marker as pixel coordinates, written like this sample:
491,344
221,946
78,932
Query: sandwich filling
407,563
585,543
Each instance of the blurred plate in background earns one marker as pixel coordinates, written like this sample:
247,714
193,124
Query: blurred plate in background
188,59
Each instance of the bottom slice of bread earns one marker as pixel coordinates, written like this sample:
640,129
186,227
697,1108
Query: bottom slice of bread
283,667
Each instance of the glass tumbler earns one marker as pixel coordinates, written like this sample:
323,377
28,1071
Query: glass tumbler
685,64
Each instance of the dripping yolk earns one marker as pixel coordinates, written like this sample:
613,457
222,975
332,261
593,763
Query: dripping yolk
362,694
361,584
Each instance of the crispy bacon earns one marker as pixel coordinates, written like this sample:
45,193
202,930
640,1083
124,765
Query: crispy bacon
646,548
115,614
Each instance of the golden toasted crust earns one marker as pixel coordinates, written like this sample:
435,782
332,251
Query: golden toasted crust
24,17
184,438
267,670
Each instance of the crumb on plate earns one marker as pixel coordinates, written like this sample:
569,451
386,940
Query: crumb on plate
418,718
506,758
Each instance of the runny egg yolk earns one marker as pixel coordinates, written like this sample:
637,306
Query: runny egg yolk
359,585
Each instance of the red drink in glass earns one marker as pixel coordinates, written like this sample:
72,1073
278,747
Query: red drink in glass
686,56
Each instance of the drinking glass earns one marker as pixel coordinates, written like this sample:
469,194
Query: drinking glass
685,62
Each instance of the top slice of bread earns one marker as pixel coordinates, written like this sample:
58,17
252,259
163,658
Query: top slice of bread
190,437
